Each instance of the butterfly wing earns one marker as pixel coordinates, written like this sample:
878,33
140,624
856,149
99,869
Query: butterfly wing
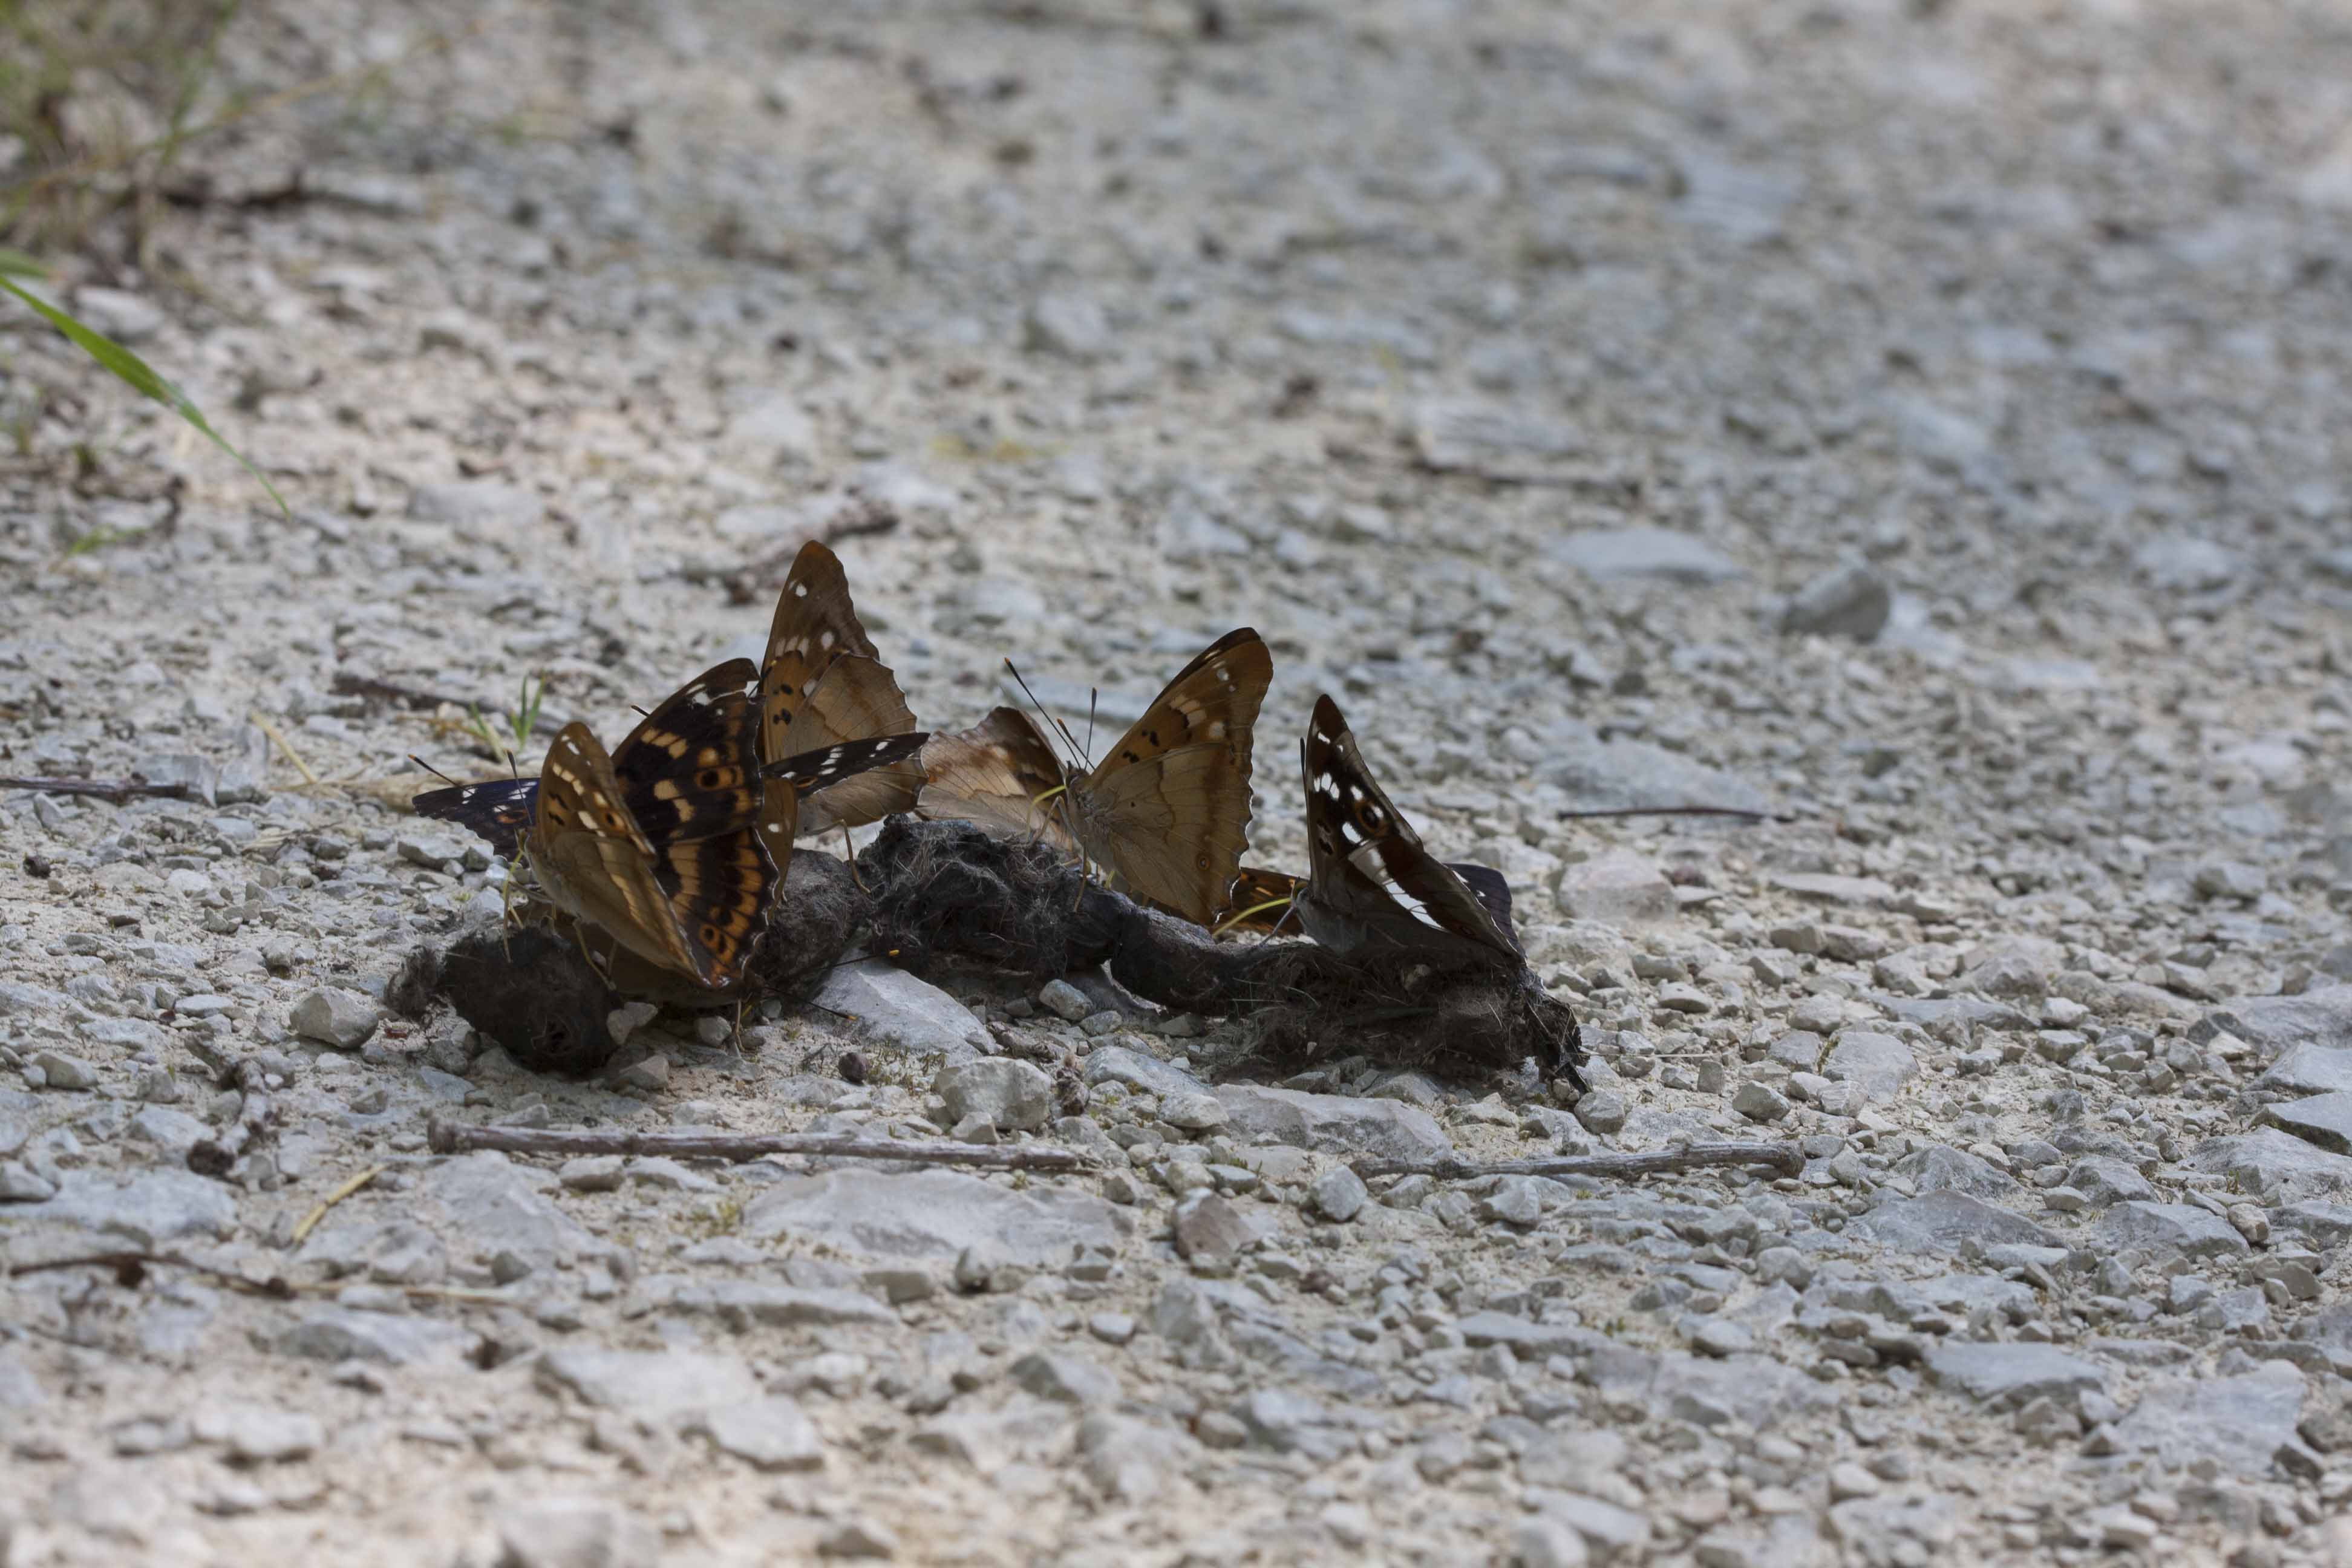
815,625
1492,890
856,698
1167,808
994,774
688,770
594,862
1262,900
797,777
1370,878
497,809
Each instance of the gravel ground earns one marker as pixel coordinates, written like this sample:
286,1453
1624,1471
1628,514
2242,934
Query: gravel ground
1926,419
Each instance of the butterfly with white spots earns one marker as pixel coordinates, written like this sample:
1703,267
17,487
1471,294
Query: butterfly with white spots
1373,889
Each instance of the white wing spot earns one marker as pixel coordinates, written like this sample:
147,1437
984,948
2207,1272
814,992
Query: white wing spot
775,827
800,590
1355,792
827,640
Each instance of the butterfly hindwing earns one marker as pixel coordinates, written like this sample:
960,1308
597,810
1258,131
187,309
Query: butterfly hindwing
592,860
687,769
1167,808
856,698
1001,774
497,809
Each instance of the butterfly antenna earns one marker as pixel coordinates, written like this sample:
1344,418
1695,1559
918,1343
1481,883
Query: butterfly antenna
1069,740
1094,700
1686,811
429,768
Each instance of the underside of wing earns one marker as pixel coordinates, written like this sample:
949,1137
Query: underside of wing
814,624
858,698
610,884
996,774
1171,828
1213,701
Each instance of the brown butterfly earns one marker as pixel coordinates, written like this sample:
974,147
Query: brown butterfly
657,845
1167,810
1001,774
820,685
1372,887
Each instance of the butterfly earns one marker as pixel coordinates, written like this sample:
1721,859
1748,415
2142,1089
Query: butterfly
660,844
1001,774
821,684
1372,886
1167,810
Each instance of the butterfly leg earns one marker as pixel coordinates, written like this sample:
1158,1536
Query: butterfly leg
849,852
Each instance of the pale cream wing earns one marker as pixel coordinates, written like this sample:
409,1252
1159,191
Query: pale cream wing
998,776
856,698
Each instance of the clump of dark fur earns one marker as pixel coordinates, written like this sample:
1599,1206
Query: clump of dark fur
821,911
936,892
947,890
533,992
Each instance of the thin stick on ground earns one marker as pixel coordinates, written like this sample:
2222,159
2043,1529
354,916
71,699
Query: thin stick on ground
116,790
310,1220
455,1138
1740,812
1785,1158
286,746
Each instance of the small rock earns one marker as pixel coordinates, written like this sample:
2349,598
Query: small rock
1209,1227
259,1434
1603,1111
125,317
1757,1102
343,1020
1014,1095
1616,886
575,1532
650,1073
59,1070
1066,1379
1851,600
1337,1194
592,1173
1064,1001
858,1538
770,1434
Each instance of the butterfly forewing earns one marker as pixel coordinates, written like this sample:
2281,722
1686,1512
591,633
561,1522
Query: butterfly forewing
592,860
497,809
687,769
1000,775
856,698
1168,809
820,682
1371,880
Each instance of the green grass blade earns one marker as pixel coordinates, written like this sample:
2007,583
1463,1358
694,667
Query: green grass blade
17,264
136,374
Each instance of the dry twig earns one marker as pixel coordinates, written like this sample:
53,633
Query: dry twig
454,1138
1783,1158
116,790
310,1220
